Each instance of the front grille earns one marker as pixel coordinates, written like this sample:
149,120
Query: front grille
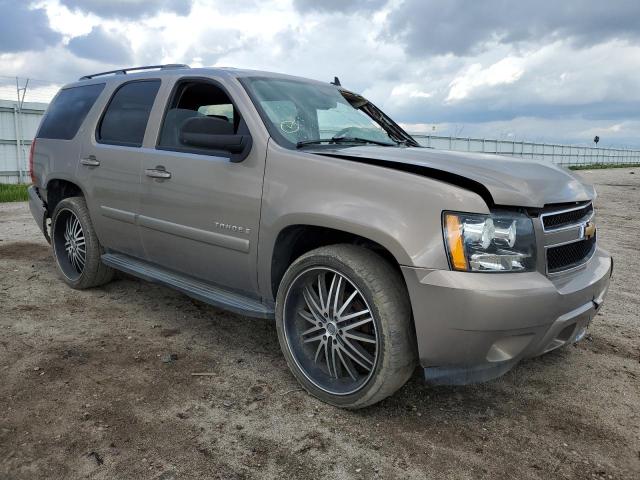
552,221
570,255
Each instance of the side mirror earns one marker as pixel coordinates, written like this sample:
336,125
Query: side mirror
215,134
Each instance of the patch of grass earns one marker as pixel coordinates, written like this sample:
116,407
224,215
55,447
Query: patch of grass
13,193
599,166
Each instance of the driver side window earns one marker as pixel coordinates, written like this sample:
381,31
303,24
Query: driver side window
198,99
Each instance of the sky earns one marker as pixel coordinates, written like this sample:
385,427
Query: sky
544,71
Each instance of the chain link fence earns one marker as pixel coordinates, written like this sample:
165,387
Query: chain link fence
566,155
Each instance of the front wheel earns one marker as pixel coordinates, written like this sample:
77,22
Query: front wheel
344,324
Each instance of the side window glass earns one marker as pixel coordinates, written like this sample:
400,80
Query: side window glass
223,111
199,107
68,110
125,119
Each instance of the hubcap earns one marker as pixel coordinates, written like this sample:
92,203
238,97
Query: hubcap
69,244
74,243
330,331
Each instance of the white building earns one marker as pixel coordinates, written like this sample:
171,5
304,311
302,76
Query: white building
17,128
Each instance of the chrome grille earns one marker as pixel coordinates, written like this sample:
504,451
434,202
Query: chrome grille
564,218
570,239
571,255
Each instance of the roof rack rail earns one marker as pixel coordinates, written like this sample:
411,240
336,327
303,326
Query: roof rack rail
124,71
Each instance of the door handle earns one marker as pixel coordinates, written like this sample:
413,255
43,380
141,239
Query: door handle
158,172
90,161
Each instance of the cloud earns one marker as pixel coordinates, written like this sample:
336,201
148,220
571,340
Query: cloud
409,91
130,9
556,70
54,65
343,6
460,27
23,29
553,82
102,46
506,71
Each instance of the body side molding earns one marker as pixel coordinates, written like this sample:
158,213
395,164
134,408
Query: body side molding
199,235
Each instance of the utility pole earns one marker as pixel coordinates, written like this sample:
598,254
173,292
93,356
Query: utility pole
18,124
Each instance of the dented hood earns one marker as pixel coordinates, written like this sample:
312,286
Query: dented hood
509,181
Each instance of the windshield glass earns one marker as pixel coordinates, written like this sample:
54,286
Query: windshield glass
299,113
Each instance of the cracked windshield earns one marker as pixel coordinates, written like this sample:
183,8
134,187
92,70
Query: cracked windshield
300,113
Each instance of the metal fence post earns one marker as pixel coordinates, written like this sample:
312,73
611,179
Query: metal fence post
16,130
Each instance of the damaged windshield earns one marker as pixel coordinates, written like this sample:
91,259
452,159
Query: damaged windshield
299,114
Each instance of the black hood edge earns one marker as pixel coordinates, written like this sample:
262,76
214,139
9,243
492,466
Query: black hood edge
434,173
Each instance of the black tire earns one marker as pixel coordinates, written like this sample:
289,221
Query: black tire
93,272
385,296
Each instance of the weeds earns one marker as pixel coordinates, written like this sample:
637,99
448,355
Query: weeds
599,166
13,193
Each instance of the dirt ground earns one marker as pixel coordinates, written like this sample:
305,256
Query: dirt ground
88,388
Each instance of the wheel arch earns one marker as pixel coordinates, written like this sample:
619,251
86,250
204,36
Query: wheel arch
294,240
59,188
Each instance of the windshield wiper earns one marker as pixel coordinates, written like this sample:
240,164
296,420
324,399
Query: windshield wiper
343,140
362,140
317,141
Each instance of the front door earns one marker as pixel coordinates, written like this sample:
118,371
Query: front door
199,212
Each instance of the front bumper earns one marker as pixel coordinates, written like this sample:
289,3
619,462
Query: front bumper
472,327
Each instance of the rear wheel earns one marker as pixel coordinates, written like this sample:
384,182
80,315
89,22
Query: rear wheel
344,324
76,247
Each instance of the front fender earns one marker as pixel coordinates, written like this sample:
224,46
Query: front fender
400,211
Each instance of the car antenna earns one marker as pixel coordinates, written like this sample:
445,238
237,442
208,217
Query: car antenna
336,82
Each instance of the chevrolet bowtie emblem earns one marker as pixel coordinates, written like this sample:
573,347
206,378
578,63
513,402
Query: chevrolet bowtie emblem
589,230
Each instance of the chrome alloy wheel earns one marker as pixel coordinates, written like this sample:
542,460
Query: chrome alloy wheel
330,331
70,244
74,243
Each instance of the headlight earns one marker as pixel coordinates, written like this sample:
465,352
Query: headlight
500,242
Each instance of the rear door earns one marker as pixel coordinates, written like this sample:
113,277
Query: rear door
199,211
111,165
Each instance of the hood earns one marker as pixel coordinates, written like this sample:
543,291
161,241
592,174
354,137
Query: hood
509,181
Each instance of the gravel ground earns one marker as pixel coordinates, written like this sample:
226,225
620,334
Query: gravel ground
88,387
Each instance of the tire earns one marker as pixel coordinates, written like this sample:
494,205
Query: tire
71,228
347,362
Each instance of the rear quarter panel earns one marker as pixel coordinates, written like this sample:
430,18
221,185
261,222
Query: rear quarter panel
55,160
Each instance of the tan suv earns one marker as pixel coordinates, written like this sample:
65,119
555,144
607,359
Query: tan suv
279,197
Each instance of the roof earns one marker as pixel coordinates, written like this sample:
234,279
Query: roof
171,70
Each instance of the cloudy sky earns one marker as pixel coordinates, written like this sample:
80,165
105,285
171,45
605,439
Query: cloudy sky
523,70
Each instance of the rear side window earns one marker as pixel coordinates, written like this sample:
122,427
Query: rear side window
125,119
68,110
